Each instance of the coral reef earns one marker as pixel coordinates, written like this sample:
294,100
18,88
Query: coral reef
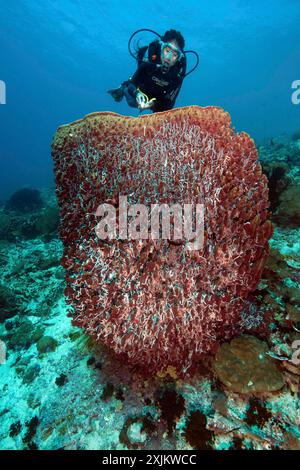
280,160
281,149
154,302
47,222
244,367
25,200
8,304
278,180
288,211
70,397
17,225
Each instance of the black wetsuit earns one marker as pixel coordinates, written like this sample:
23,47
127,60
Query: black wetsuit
151,79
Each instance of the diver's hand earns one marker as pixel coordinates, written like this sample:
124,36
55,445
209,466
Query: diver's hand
148,104
143,102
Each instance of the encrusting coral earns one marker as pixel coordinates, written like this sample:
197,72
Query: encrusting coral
155,303
244,366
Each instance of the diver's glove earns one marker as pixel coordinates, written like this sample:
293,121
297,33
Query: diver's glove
143,101
117,93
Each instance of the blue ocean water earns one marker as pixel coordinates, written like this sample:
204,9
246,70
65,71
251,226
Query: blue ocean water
58,58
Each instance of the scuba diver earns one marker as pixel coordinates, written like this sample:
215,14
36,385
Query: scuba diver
161,69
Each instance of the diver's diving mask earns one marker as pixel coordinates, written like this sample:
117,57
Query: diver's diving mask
170,53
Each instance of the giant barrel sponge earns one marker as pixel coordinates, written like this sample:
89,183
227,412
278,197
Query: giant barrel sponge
153,302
